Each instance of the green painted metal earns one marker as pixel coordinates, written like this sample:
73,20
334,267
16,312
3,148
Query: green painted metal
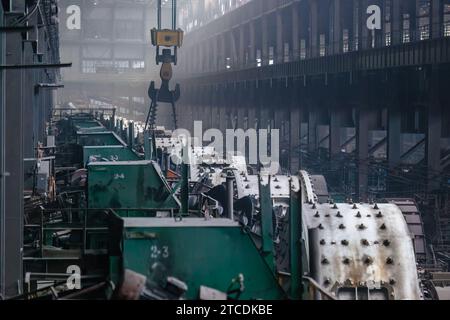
83,124
199,252
295,235
108,153
267,224
129,186
99,139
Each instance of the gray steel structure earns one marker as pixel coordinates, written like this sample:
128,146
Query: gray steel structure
29,58
113,59
336,89
316,63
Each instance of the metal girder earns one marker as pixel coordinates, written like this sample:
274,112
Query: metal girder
36,66
2,162
435,51
16,29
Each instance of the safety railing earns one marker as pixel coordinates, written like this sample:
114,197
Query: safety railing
63,222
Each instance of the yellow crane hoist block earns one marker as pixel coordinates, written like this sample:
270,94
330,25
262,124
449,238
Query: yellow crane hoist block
167,38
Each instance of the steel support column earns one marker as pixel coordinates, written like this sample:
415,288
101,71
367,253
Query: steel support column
279,37
222,51
434,132
365,37
13,173
295,124
223,109
252,44
242,44
241,107
312,130
335,132
396,19
2,163
394,136
337,28
362,152
251,112
314,28
295,32
264,106
215,55
436,30
265,40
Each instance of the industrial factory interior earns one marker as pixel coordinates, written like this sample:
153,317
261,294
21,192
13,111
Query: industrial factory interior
239,150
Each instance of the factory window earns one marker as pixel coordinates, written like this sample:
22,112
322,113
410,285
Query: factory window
88,66
124,110
424,32
228,63
447,20
130,30
388,39
138,64
388,35
140,100
122,66
356,25
323,49
388,23
302,49
406,32
345,41
98,29
286,52
258,58
110,66
271,56
424,19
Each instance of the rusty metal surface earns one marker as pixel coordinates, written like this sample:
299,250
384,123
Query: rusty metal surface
363,246
413,219
132,286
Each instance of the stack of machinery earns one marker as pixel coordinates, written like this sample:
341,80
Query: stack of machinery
161,219
142,226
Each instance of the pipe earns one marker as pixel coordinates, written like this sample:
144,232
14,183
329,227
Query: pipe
230,194
166,163
185,188
159,14
131,135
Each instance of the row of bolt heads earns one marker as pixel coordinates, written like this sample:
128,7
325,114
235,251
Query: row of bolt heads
327,282
366,259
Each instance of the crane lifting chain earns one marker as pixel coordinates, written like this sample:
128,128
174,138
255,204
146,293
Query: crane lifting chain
170,40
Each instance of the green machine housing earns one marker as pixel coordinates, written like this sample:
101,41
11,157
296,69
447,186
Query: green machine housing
100,138
131,188
108,154
210,254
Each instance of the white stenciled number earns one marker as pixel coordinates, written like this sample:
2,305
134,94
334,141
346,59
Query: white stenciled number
165,252
157,252
154,252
